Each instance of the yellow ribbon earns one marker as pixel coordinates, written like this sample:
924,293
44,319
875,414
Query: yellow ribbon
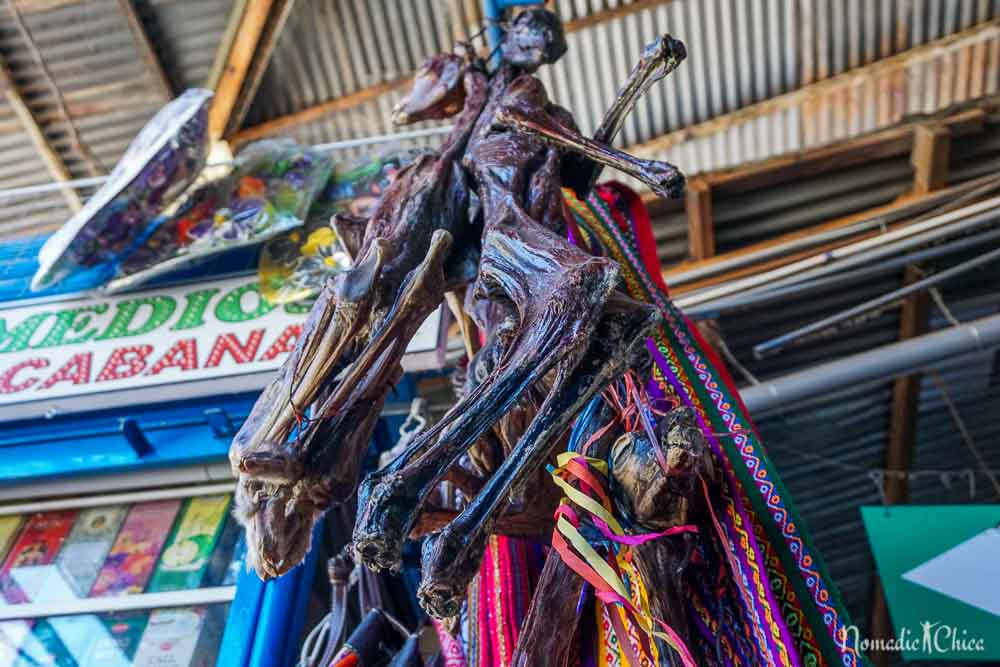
594,559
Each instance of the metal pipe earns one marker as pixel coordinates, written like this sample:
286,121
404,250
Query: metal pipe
882,363
964,192
492,13
865,250
760,297
775,345
869,257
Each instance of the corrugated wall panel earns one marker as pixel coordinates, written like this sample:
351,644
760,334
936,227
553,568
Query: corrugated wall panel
924,82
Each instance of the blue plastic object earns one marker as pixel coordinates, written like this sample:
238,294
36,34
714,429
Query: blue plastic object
241,626
19,261
115,441
282,613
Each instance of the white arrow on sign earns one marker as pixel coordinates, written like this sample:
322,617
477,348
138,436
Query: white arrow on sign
967,572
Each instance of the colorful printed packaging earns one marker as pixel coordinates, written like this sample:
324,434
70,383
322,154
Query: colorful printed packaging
12,635
269,191
24,574
181,637
125,629
191,544
162,160
17,643
137,548
9,525
294,266
88,544
219,566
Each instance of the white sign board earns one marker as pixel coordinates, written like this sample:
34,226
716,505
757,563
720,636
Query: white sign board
166,344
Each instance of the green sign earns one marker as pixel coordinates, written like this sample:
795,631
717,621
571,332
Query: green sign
940,569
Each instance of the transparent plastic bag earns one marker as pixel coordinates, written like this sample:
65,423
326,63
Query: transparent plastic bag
272,185
295,265
163,159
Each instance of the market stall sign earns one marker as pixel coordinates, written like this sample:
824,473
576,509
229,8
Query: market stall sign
131,348
939,567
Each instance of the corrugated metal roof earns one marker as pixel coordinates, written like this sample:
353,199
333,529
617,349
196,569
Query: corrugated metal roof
922,82
330,49
109,90
186,36
741,52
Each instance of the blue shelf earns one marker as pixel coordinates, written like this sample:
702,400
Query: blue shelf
176,433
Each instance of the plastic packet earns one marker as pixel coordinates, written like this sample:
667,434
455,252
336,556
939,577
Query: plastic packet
163,159
295,265
268,191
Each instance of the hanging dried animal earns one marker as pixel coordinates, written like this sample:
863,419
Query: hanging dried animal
483,219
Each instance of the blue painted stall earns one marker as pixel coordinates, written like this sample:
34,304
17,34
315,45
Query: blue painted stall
138,441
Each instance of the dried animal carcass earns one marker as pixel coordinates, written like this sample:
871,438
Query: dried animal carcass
483,218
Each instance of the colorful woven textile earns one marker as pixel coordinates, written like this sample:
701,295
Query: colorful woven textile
610,652
782,608
498,599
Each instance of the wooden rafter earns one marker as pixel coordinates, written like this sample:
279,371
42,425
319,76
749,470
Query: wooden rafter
701,229
930,156
265,50
225,42
344,103
913,322
606,15
56,167
239,58
149,57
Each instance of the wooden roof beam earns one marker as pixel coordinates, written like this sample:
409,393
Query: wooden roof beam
344,103
930,156
56,167
262,58
238,60
612,14
913,322
701,228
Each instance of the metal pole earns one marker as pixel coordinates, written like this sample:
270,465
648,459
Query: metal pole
493,12
881,363
761,296
949,199
891,242
775,345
